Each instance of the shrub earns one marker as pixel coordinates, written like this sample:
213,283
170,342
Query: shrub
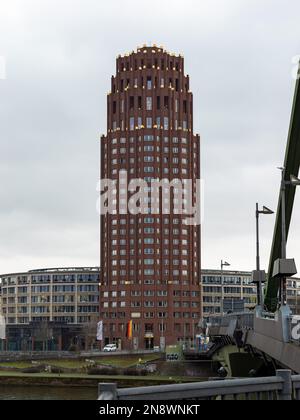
102,371
36,369
55,369
135,372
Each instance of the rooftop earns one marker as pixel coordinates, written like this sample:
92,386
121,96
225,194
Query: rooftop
54,270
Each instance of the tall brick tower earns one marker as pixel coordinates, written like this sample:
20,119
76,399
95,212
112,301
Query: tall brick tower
150,263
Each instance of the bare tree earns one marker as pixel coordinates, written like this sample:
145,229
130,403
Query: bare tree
89,332
43,333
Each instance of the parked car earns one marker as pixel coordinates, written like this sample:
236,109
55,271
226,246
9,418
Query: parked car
110,347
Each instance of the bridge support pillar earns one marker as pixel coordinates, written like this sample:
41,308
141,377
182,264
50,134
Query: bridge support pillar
287,387
285,313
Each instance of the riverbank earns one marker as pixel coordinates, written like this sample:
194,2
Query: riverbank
80,380
37,393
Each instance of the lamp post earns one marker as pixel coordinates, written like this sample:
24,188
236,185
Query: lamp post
193,332
260,276
162,336
223,264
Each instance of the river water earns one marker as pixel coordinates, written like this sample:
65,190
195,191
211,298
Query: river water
47,393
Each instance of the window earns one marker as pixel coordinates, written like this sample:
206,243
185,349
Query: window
149,282
149,315
148,148
131,102
166,123
149,122
149,230
158,102
148,138
149,83
149,169
148,272
149,104
131,123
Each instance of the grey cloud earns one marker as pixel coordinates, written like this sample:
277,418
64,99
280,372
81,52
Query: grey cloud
60,57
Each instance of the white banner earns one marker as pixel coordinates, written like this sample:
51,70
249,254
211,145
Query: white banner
2,328
100,331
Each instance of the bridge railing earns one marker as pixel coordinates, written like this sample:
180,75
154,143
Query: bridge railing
296,386
279,387
244,320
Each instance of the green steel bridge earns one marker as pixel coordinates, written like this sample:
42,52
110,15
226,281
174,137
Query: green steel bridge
291,166
271,331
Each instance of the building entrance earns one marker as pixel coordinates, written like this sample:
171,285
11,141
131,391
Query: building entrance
149,343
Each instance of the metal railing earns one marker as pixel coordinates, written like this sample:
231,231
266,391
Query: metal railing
296,387
244,319
283,386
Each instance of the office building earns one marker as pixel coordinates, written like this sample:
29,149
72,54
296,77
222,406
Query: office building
238,292
52,306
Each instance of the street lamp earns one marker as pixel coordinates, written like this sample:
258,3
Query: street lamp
223,264
284,267
259,276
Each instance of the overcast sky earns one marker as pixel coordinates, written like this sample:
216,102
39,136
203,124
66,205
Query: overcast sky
60,56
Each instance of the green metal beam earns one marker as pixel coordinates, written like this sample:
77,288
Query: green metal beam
291,165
